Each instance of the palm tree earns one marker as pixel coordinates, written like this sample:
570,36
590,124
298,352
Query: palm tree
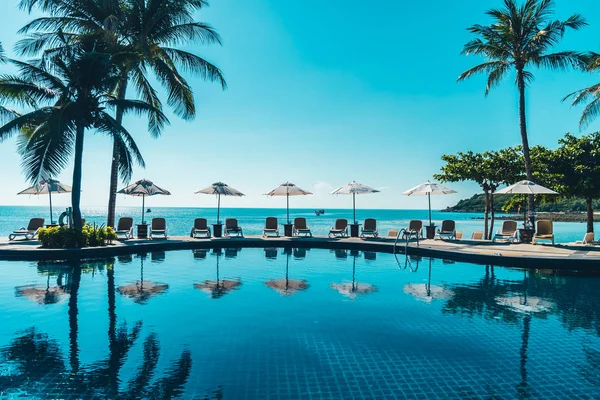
591,94
73,87
149,29
521,37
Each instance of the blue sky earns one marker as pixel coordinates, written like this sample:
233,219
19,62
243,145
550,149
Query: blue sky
325,92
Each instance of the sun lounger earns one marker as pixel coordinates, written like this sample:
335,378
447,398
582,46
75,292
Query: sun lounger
588,239
125,228
448,230
508,232
544,231
232,228
158,228
415,229
477,235
369,228
271,227
392,233
459,235
201,228
30,232
340,229
300,227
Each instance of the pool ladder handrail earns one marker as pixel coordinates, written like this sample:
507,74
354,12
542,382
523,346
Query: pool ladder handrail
404,234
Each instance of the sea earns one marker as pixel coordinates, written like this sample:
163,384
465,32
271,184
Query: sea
252,220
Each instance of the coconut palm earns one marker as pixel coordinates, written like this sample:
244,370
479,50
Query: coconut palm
519,38
149,29
590,95
68,95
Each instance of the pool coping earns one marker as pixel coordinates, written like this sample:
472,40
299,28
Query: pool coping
571,256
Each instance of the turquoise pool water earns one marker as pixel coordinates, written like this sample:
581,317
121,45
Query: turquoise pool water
343,325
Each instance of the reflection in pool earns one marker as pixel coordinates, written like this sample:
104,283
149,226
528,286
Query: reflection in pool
295,323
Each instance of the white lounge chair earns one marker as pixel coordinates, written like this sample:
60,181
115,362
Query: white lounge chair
125,228
448,230
201,228
369,228
30,232
508,232
158,228
232,228
300,227
340,229
271,227
544,231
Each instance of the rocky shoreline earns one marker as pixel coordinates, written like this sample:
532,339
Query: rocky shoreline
556,217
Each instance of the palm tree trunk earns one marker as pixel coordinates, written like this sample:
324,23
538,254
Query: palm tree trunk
486,213
77,173
590,214
114,167
73,324
493,215
524,138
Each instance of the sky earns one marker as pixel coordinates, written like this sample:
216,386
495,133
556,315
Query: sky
321,93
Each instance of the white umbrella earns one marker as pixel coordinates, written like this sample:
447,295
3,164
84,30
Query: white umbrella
288,189
354,188
220,189
428,189
143,188
48,186
525,187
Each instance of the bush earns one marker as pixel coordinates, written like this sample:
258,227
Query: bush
89,236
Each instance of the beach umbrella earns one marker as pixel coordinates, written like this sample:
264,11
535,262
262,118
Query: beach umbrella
428,189
142,290
525,187
41,294
354,289
427,292
48,187
220,287
143,188
354,188
288,189
220,189
287,286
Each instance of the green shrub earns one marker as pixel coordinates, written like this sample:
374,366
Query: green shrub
63,237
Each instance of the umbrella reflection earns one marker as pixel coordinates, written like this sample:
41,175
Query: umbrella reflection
220,287
353,289
141,291
286,286
41,294
427,292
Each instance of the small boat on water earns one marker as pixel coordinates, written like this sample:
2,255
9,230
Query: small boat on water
319,212
148,210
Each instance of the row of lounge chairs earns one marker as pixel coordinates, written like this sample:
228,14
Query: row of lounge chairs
508,231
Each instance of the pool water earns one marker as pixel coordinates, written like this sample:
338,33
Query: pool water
295,324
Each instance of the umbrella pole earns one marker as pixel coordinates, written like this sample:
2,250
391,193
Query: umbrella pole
218,207
429,200
287,265
353,271
288,207
143,207
50,196
354,205
429,280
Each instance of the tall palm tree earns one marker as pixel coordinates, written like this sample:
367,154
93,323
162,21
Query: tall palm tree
519,38
149,29
590,95
68,94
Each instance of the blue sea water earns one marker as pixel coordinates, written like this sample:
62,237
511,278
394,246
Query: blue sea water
180,220
295,324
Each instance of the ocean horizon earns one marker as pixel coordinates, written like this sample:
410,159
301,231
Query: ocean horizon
180,219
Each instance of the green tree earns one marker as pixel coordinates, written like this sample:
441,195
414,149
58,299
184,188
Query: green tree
589,96
68,95
489,170
151,30
578,166
519,38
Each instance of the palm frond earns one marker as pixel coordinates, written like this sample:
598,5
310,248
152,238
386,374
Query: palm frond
24,92
196,65
181,97
140,108
561,60
183,33
46,147
32,118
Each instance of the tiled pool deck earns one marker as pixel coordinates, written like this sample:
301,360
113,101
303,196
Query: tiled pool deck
564,256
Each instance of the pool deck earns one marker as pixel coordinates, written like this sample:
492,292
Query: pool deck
564,256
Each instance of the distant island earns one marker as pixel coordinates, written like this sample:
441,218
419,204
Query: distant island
561,210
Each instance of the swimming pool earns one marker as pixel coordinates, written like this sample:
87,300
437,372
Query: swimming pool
295,323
